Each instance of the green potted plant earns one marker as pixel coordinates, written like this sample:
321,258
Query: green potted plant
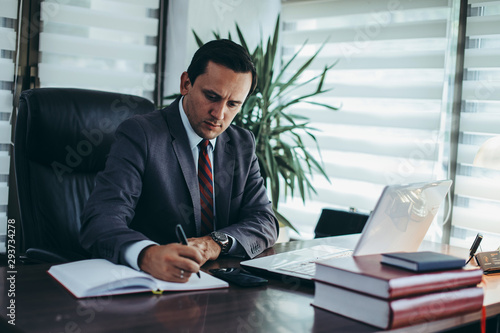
285,162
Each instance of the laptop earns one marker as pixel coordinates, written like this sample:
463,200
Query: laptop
398,223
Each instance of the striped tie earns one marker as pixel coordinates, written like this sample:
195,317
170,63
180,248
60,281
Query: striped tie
206,189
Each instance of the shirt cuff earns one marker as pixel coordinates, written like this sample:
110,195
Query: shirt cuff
236,249
130,254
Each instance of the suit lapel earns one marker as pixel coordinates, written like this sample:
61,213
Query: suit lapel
180,145
224,160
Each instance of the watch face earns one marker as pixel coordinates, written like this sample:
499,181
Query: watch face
220,236
222,239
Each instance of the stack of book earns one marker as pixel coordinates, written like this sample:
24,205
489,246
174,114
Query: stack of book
388,297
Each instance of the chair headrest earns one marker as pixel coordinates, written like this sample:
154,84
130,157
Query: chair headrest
75,127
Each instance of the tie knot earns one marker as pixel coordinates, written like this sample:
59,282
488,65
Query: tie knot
204,144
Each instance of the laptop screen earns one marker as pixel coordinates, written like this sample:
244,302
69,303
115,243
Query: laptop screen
401,218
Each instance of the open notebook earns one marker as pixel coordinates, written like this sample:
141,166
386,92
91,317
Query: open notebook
99,277
398,223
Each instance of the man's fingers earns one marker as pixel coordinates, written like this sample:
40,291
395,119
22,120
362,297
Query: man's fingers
172,262
191,253
209,249
187,265
180,275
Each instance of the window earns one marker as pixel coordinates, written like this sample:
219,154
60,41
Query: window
476,206
105,45
393,82
390,84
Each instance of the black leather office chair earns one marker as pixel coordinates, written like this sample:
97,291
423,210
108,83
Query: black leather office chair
62,140
337,223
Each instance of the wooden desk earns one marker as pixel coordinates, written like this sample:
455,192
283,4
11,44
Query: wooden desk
42,305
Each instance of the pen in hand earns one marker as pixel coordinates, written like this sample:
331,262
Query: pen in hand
181,236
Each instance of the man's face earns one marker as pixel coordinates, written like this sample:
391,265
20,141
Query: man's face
216,96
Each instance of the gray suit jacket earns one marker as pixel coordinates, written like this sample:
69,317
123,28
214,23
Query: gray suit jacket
150,184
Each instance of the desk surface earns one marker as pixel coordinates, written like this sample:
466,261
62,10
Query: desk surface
42,305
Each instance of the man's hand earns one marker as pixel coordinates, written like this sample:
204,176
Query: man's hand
172,262
209,249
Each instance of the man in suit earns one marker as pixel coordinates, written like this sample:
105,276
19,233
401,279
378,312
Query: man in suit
157,176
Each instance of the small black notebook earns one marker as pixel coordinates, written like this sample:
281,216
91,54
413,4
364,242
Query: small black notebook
422,261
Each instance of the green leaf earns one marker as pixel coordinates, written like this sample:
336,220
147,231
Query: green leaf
300,71
277,82
281,129
198,40
274,45
242,39
284,220
323,105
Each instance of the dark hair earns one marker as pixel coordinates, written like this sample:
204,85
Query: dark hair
223,52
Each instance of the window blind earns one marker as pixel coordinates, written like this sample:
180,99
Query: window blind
8,27
477,200
105,45
389,84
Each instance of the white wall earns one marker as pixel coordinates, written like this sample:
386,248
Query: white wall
255,18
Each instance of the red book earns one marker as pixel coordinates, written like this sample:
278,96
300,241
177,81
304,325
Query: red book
390,314
367,275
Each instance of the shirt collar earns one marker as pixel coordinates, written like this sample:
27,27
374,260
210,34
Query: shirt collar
194,139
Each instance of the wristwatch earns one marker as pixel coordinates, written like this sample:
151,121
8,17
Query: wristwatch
222,240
